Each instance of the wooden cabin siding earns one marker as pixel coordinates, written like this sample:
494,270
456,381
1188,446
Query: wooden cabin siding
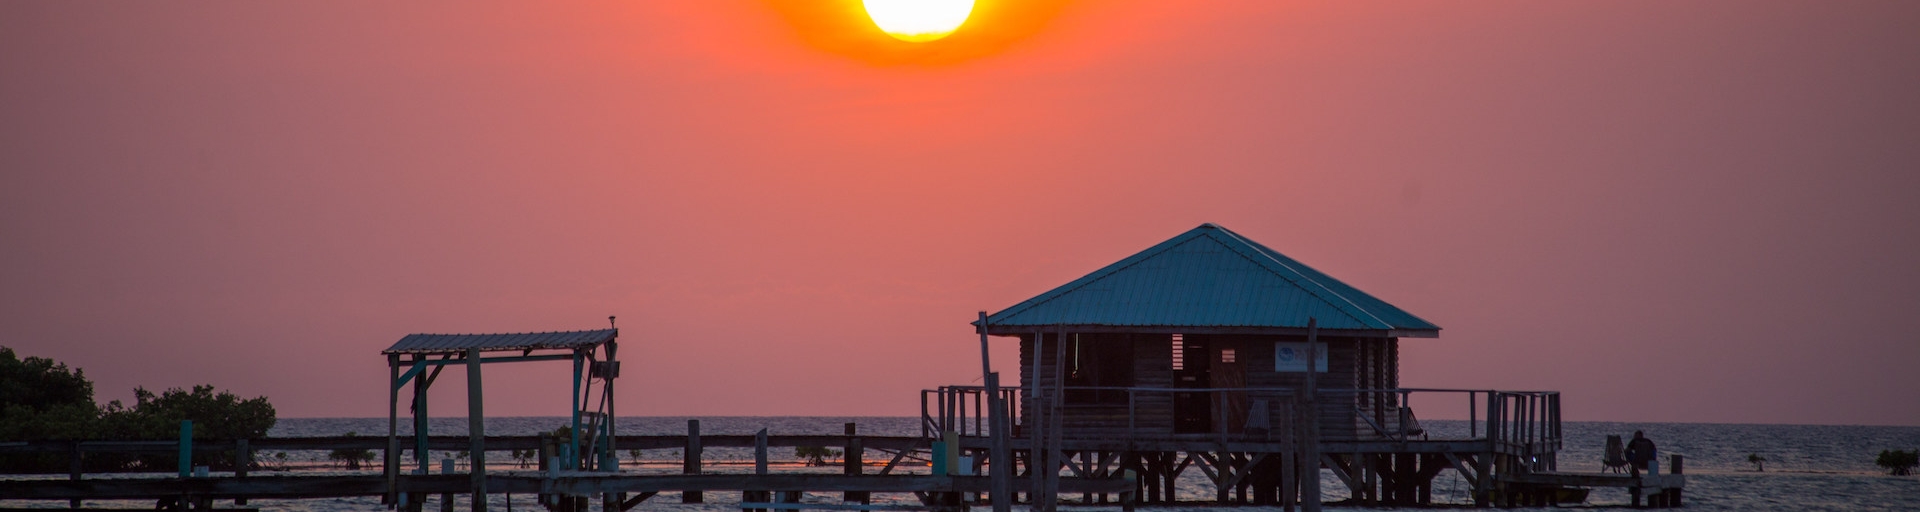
1152,366
1353,363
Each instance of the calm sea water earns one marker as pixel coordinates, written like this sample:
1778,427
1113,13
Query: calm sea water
1809,467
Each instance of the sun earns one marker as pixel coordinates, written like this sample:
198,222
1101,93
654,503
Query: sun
918,21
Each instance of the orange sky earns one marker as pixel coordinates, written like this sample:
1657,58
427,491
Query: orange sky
1696,211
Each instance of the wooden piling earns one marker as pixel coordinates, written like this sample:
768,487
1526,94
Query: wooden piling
853,463
1679,468
691,461
242,459
759,468
74,468
549,461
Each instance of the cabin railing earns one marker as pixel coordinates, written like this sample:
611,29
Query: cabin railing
963,409
1519,422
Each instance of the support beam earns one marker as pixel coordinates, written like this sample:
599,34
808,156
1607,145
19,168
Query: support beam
1340,470
392,467
476,431
1310,437
1461,466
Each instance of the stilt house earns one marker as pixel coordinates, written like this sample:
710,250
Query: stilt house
1200,335
1210,350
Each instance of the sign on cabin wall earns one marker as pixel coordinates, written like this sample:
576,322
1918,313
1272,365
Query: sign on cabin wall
1291,356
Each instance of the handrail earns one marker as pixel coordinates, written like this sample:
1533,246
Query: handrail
1524,421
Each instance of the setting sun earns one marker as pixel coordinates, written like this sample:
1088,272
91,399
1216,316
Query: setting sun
918,20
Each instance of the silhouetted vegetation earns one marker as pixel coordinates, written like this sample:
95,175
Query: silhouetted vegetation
351,457
42,399
815,455
1898,462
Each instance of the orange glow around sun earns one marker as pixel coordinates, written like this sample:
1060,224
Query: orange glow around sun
918,21
916,32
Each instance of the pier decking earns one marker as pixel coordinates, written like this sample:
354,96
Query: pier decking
568,489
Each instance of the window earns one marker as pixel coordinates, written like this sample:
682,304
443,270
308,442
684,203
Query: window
1227,356
1098,361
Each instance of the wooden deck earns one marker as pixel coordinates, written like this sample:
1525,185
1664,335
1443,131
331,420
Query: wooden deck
621,490
569,484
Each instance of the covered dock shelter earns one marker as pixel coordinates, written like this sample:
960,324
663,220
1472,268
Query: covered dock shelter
418,359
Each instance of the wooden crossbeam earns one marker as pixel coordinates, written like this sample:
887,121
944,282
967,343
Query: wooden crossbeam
1242,475
635,501
897,456
1344,471
828,506
1209,465
1462,467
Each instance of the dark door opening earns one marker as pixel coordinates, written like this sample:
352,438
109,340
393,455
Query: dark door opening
1192,410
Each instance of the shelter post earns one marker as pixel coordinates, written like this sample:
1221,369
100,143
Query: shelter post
476,431
392,467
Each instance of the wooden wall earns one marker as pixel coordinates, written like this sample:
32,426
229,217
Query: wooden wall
1353,363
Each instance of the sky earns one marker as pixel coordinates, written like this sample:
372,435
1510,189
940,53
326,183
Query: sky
1668,211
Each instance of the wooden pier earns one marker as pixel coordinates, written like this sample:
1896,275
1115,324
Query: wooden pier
559,489
1207,351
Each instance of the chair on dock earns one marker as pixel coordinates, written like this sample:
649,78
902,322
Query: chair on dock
1259,427
1616,455
1410,425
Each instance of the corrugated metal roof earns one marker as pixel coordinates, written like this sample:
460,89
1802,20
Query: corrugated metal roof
451,343
1209,277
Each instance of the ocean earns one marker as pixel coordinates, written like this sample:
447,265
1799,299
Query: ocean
1808,467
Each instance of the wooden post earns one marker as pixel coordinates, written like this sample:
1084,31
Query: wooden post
691,462
610,463
392,467
242,458
476,431
421,456
759,468
419,416
1001,456
446,498
549,461
1036,424
1056,419
74,467
579,402
186,448
1310,438
613,369
854,463
1679,467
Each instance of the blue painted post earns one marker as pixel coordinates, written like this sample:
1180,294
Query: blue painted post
420,417
186,448
573,445
939,466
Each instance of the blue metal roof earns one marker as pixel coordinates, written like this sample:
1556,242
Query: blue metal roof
1209,279
457,343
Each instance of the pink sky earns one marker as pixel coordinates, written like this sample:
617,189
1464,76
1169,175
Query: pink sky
1695,211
